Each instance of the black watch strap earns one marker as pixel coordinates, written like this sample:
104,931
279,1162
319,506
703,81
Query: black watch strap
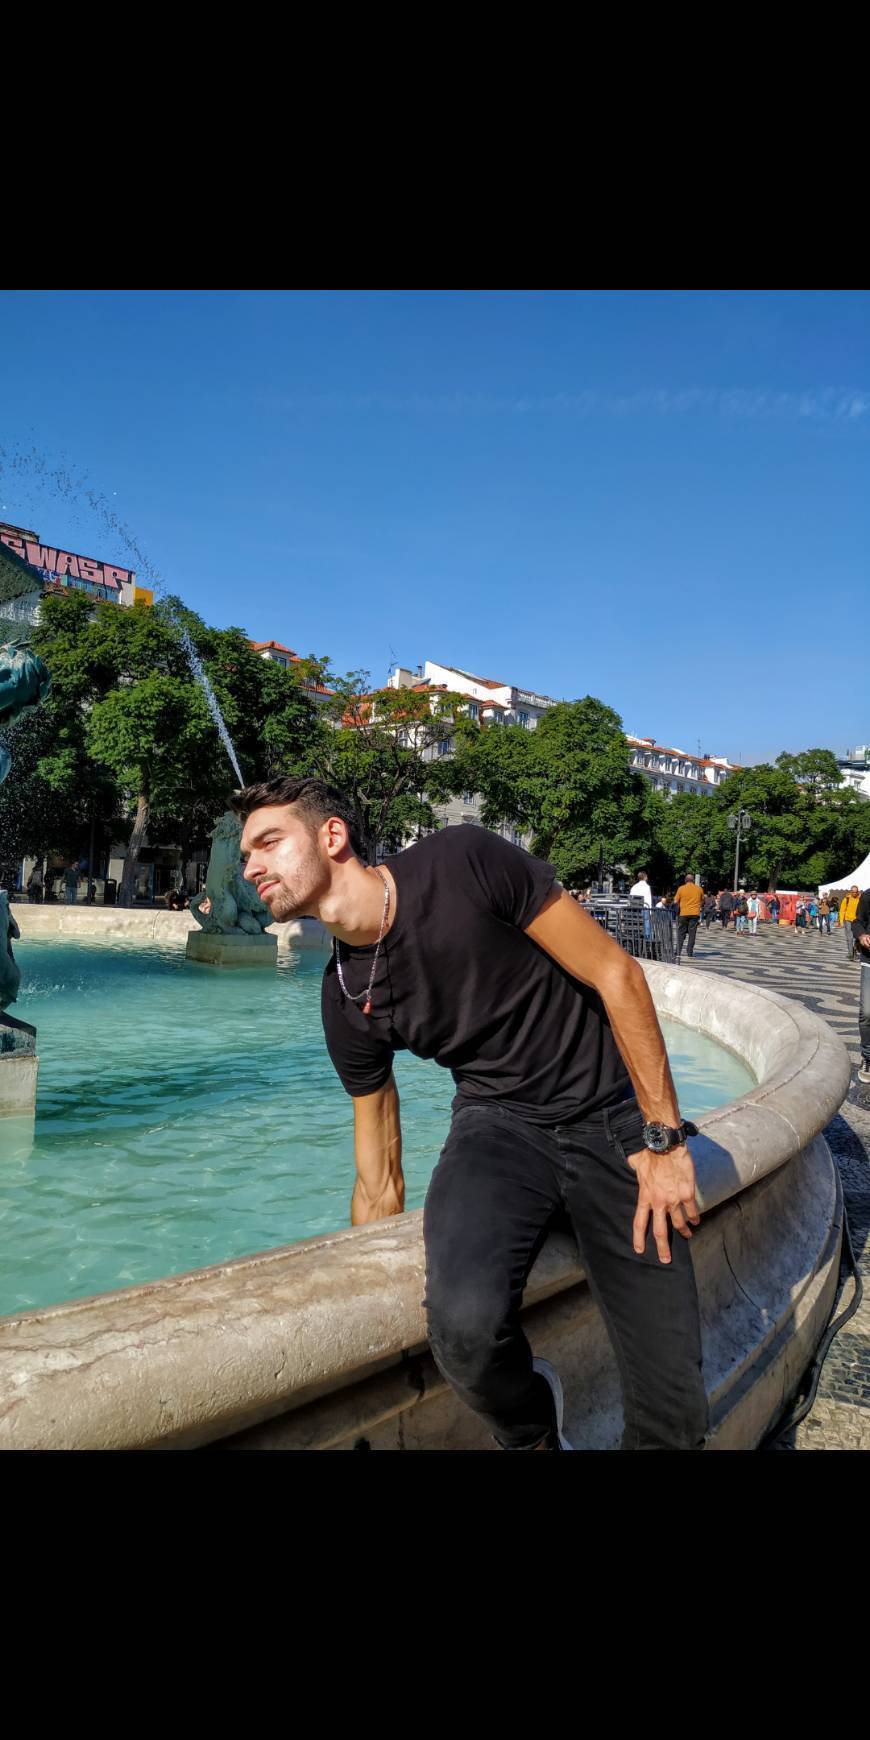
653,1135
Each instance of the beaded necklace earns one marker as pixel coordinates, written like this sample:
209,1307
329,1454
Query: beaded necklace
367,994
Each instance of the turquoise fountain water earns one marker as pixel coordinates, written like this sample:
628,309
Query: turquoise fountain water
185,1117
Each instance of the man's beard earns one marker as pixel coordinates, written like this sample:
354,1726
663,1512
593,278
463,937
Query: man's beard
296,899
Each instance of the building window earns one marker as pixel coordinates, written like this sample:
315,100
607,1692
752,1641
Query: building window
468,797
523,719
473,710
444,746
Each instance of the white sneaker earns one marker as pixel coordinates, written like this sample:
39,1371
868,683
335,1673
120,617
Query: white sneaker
552,1377
864,1073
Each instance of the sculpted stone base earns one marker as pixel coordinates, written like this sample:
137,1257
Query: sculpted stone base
17,1084
231,951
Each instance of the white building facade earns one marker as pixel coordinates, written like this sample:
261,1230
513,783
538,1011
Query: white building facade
855,769
673,770
277,654
491,702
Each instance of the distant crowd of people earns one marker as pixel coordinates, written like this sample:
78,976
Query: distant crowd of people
846,909
65,884
691,905
61,884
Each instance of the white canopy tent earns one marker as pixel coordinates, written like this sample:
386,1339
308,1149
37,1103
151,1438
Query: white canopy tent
861,876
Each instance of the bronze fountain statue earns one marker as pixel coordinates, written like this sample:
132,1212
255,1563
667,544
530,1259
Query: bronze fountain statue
24,685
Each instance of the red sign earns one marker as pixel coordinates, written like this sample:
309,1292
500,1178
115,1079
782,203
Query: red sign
57,564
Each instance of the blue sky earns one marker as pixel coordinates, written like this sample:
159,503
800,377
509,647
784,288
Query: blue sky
660,498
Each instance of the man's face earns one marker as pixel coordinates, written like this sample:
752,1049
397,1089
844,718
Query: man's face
854,889
285,862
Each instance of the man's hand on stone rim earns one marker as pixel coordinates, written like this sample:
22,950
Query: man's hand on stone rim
666,1186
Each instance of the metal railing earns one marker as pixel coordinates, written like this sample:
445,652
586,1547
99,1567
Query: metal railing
649,933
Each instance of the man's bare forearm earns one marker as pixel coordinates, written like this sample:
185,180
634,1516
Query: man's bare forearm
380,1185
576,942
631,1012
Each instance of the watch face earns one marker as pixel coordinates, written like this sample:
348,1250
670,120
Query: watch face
657,1138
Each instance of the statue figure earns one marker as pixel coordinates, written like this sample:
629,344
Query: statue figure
10,972
24,684
232,904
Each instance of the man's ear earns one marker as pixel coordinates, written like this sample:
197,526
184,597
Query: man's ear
335,836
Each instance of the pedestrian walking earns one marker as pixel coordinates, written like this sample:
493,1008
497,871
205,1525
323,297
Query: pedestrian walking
847,915
465,949
753,908
774,909
740,915
35,884
688,901
726,907
824,917
708,910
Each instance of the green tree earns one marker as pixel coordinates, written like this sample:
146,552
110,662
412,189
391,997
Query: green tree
806,827
157,738
381,755
693,836
268,710
35,817
817,769
773,800
132,734
569,783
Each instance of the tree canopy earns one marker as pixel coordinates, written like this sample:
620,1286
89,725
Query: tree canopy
126,743
127,733
380,754
569,783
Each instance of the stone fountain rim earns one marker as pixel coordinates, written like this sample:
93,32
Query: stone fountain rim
757,1131
197,1357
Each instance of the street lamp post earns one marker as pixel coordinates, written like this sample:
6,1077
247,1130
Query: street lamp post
740,821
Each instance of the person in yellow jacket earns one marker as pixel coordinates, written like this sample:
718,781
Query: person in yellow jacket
688,900
848,912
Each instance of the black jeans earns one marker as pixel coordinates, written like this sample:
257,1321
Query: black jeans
686,926
498,1185
864,1013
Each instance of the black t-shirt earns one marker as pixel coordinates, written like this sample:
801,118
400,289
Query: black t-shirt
860,926
458,980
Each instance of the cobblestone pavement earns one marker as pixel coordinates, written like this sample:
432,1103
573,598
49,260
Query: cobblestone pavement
815,969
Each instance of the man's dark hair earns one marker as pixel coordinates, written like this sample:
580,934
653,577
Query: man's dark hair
315,800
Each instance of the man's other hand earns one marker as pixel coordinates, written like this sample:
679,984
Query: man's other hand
666,1186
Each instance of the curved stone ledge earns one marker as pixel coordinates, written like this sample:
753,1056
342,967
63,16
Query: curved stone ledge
325,1340
145,925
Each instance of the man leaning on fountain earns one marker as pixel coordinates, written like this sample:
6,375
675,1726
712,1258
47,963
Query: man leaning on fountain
467,950
861,933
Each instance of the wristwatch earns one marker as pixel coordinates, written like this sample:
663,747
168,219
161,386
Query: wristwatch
661,1138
